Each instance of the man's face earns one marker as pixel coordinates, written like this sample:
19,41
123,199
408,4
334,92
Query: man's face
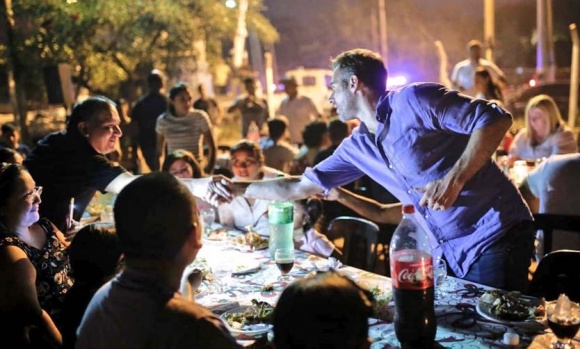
342,98
291,89
12,138
475,53
104,131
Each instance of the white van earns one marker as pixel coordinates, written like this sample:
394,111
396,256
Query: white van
313,83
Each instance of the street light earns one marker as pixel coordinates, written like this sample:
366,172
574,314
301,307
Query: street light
231,3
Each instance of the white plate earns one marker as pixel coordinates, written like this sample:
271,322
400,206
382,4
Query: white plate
247,330
246,267
484,310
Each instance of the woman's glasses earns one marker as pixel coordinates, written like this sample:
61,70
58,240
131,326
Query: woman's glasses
37,191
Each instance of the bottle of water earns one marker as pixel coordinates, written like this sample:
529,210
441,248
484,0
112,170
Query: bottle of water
281,225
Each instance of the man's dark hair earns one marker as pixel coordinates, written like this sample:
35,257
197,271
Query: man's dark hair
87,111
155,80
313,133
154,216
337,131
327,310
368,66
276,128
9,128
94,253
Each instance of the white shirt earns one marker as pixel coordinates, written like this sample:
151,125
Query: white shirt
299,111
463,76
240,214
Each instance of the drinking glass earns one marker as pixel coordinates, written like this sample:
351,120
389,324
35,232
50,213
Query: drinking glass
284,259
564,328
208,217
221,271
440,274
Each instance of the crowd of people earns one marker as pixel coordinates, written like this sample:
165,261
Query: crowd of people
116,284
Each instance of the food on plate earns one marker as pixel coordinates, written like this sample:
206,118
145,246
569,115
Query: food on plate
510,306
382,299
268,288
258,313
220,234
252,240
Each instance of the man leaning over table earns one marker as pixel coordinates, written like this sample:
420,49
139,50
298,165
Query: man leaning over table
430,147
159,234
72,163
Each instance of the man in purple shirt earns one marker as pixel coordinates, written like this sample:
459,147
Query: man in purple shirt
430,147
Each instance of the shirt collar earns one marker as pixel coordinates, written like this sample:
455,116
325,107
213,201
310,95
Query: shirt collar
383,108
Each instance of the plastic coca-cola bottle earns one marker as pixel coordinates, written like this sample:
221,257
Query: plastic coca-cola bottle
411,264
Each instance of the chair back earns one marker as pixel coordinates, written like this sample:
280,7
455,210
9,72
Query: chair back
358,238
558,272
548,222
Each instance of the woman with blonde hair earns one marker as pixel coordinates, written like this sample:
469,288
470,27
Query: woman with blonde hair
544,134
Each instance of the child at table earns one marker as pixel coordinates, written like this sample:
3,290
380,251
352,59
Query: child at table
327,310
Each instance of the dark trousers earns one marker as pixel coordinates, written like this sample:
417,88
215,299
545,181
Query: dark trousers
148,144
505,264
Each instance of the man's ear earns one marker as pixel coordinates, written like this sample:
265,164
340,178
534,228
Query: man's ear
353,83
83,128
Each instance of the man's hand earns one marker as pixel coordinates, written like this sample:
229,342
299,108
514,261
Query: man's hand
223,190
440,194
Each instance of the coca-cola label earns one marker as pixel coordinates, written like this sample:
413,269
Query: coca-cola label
412,270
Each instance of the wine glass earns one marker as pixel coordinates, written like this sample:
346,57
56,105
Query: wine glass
564,327
440,274
284,258
208,217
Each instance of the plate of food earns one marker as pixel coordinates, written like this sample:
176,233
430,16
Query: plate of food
250,320
250,241
510,308
220,234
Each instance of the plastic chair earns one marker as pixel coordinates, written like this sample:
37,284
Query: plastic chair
557,273
359,239
549,222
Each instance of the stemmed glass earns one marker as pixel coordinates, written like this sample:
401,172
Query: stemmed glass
564,327
284,258
208,217
440,274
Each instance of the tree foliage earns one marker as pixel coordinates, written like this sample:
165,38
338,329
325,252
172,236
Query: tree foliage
111,43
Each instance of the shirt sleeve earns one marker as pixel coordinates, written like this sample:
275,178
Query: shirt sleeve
336,170
205,125
451,111
160,125
102,172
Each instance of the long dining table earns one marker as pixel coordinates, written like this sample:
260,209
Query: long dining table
252,275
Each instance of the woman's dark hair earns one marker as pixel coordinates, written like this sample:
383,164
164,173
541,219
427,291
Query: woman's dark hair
181,154
8,175
492,90
95,253
86,111
7,155
327,311
252,148
173,92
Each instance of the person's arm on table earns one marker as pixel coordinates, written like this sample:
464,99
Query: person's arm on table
442,193
367,207
197,186
222,189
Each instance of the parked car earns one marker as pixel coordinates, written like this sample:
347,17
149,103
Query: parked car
560,91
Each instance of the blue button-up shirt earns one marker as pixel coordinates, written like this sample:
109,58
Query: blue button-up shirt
423,130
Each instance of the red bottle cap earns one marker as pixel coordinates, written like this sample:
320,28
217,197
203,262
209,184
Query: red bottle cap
408,209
